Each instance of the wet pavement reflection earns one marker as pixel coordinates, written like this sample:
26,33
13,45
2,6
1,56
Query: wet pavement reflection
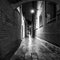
36,49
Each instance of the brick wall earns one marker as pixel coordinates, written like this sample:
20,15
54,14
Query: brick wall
50,32
8,30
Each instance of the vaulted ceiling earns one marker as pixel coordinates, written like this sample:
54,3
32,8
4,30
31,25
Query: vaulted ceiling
16,3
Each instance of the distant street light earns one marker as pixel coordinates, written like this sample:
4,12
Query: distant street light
32,11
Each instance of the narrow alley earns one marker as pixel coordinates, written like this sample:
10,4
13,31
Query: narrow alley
29,29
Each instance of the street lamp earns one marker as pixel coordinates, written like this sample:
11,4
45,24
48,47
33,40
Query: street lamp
32,11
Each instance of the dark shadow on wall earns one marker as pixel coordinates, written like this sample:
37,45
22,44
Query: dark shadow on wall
13,1
8,55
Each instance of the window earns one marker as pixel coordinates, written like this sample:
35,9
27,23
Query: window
50,11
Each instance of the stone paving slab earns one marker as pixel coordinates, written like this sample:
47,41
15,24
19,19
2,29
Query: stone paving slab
43,49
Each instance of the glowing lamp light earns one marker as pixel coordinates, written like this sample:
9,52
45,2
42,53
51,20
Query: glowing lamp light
32,11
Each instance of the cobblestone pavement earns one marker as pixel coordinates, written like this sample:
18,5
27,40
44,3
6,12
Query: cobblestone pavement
37,49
